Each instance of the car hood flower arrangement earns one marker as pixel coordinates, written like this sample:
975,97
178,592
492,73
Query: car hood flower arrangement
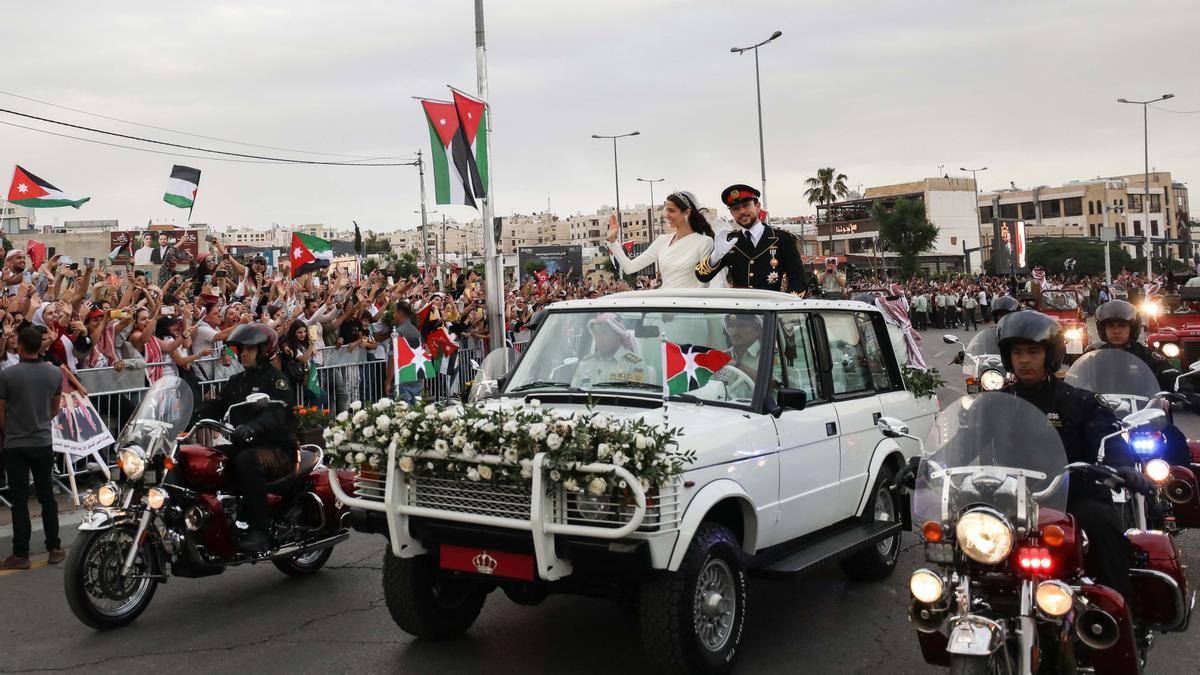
477,443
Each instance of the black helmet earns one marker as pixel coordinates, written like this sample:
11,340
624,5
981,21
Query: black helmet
255,335
1031,327
1003,304
1118,310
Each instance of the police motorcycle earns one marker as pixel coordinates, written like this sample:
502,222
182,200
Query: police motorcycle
980,359
1004,590
171,511
1127,384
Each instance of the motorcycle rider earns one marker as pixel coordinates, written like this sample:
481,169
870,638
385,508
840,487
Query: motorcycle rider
1003,305
1118,325
1032,348
264,438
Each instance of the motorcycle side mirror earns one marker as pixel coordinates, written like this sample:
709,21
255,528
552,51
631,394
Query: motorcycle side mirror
1152,419
258,399
1195,367
892,427
953,340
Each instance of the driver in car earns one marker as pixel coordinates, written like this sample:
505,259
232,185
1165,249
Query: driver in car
264,440
1032,349
745,344
612,358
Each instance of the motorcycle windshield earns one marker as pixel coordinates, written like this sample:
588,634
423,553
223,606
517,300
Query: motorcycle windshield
980,451
167,405
1115,372
497,364
984,342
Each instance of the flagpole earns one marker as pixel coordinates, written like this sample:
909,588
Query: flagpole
493,271
424,215
666,388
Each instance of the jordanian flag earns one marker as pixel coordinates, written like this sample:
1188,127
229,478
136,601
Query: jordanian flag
472,116
412,364
441,346
182,186
689,367
34,193
309,254
454,169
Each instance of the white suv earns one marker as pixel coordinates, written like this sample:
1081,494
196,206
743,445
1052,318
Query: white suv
789,473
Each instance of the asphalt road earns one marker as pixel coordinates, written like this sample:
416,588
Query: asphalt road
257,620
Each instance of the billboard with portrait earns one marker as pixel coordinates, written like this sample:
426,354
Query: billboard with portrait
147,247
1008,246
564,260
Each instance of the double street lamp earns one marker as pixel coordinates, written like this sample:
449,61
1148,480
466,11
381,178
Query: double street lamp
651,223
762,159
617,177
1149,247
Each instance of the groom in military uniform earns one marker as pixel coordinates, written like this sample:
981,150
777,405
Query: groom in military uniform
756,255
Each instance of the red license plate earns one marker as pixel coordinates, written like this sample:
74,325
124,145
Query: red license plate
487,562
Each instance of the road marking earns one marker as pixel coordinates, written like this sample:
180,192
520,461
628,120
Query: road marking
33,565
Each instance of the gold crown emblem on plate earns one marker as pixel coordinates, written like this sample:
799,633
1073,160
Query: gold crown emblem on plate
484,563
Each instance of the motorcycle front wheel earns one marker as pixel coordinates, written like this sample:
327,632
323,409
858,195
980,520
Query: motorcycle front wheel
993,664
97,592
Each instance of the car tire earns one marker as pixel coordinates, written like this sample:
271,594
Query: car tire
879,560
688,624
425,606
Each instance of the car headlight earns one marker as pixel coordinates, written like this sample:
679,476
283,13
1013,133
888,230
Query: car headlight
1170,350
1054,598
132,463
1074,334
926,586
107,494
1151,308
991,380
156,497
1157,470
984,537
592,507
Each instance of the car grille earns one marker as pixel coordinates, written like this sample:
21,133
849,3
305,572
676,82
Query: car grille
501,501
662,510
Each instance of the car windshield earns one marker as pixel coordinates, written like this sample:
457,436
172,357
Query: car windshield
1058,300
716,359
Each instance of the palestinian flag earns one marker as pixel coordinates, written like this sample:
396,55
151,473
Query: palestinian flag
441,346
182,186
454,168
689,367
411,364
34,193
309,254
472,116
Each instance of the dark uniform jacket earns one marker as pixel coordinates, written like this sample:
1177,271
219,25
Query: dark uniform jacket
764,266
272,424
1081,420
1164,372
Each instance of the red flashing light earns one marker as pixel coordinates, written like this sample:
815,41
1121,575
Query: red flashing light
1035,560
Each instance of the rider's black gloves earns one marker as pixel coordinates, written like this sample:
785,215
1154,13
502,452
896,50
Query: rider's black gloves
243,435
1134,480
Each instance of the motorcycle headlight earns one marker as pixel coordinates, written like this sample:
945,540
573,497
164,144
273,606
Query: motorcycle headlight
991,380
107,494
156,497
1170,350
1074,334
132,463
1157,470
1054,598
926,586
984,537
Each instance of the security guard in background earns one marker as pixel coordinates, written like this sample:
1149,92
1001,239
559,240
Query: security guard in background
264,437
755,254
612,358
1032,349
1119,327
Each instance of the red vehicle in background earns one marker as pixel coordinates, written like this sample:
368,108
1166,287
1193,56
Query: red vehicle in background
1173,326
1066,305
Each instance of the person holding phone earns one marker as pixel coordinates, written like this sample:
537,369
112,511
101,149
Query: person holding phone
832,282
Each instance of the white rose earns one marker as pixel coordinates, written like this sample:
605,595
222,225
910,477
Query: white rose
603,451
342,416
570,485
360,458
597,486
338,438
356,406
327,434
537,431
472,474
441,447
406,464
640,441
383,422
555,475
614,426
600,421
489,428
406,433
458,440
369,432
485,472
511,456
445,429
468,449
619,458
554,441
374,461
510,427
526,472
383,404
359,417
534,403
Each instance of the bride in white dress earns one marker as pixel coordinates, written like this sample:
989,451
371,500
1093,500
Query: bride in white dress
677,252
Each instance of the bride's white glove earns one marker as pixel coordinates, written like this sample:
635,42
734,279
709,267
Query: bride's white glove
722,244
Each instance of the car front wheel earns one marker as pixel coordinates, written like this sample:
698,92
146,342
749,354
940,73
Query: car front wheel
426,605
878,561
692,619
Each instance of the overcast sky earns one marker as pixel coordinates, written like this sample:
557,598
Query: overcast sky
883,91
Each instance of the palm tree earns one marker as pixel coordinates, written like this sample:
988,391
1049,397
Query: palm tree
827,186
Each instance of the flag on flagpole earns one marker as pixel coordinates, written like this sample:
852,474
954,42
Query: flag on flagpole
472,117
412,363
454,169
309,254
688,367
441,346
34,193
182,186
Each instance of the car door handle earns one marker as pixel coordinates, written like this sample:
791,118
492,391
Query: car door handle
875,417
831,428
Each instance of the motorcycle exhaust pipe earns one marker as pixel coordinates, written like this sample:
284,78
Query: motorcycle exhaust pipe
1180,491
1097,628
291,550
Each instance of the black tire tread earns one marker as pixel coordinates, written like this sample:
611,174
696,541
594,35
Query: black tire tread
290,568
77,597
407,590
867,565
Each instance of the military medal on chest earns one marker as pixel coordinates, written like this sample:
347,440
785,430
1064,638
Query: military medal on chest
774,275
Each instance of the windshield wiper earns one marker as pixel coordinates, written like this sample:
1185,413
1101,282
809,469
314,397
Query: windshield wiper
687,398
628,385
545,384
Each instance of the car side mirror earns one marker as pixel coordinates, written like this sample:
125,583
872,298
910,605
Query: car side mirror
891,427
792,399
1150,419
951,340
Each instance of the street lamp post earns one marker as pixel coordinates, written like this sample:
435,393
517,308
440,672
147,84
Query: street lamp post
651,222
762,158
1149,247
978,222
617,178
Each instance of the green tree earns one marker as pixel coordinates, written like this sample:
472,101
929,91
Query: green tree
376,244
1050,253
827,186
905,229
397,266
